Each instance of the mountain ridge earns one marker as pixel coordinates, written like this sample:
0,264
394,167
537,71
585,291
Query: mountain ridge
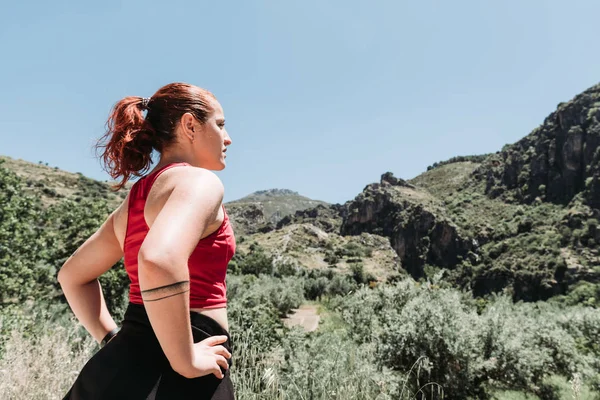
513,220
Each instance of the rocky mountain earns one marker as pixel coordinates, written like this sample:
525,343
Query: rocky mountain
262,210
328,218
415,222
248,218
522,220
555,162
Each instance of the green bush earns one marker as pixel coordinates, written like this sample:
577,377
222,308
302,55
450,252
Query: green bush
315,287
358,273
584,293
353,250
281,294
331,257
256,262
23,271
285,267
515,346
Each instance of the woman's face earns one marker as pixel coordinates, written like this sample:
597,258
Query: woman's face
212,139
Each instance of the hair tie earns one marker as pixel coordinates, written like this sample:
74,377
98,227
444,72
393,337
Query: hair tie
145,101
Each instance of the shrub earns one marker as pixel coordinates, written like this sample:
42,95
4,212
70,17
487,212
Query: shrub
358,273
331,257
315,288
281,294
515,346
256,262
23,273
340,285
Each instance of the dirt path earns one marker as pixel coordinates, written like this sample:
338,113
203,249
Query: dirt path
306,316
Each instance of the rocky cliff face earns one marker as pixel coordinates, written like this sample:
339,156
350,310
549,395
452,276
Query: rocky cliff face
558,160
277,203
412,219
328,218
248,218
524,219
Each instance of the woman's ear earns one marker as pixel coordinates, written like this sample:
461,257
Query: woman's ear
187,125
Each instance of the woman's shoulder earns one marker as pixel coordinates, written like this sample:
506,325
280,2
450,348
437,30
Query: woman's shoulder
189,176
186,185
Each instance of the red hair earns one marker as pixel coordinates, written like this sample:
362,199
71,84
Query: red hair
126,147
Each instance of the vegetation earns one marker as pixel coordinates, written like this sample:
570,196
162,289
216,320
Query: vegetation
277,203
459,332
472,350
459,159
531,251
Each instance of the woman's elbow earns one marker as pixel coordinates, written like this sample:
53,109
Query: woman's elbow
154,260
65,277
62,277
68,275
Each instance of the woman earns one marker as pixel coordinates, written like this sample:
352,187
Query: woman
176,240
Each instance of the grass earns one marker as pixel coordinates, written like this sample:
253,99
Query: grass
41,361
304,366
572,389
43,367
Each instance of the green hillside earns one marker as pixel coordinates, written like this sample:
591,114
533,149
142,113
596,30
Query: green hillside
51,184
277,203
478,279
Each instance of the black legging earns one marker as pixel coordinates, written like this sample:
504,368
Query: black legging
133,366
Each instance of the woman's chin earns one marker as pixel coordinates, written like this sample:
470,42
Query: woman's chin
221,165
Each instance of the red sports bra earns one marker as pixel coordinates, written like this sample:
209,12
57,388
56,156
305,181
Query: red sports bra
207,263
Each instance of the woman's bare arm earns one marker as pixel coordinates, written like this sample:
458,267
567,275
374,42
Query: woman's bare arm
192,205
78,278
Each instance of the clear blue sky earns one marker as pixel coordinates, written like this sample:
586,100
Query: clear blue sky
321,97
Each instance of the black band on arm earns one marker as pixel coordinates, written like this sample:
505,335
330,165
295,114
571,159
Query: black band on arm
167,296
163,292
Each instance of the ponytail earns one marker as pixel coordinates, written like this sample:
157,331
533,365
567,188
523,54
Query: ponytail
130,137
129,141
